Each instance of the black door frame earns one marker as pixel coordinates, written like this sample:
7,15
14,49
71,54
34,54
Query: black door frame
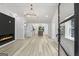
58,29
76,32
59,23
76,12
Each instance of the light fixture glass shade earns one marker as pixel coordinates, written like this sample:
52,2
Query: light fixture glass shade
30,13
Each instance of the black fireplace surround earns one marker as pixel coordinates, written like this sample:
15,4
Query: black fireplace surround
7,28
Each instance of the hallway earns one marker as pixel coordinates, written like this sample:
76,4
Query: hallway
35,46
38,29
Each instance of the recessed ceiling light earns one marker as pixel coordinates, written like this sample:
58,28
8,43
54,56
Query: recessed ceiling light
46,16
24,24
28,15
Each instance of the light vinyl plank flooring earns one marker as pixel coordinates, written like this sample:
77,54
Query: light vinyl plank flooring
35,46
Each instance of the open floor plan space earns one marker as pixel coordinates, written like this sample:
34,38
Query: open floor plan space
39,29
35,46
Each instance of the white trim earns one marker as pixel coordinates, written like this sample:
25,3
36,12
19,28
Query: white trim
7,43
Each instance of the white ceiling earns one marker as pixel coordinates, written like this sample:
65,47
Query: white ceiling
44,11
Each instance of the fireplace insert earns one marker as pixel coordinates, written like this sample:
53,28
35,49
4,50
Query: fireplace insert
7,28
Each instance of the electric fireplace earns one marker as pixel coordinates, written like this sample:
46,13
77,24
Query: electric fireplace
7,29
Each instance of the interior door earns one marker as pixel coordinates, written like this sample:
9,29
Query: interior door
66,29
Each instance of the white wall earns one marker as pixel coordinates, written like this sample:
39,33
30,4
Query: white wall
49,30
19,27
66,10
28,30
54,25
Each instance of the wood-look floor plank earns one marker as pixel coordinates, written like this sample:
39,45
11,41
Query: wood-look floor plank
35,46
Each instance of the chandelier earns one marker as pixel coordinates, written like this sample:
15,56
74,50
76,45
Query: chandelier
31,12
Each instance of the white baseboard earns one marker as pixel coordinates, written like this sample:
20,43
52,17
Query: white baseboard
7,43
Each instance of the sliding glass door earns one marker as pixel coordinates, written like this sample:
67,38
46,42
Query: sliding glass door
66,29
67,36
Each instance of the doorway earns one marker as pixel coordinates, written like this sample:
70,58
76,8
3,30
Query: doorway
68,29
33,29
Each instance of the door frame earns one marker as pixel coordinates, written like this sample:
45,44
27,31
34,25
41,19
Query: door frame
76,12
76,30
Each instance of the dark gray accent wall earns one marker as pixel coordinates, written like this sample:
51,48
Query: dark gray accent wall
7,27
